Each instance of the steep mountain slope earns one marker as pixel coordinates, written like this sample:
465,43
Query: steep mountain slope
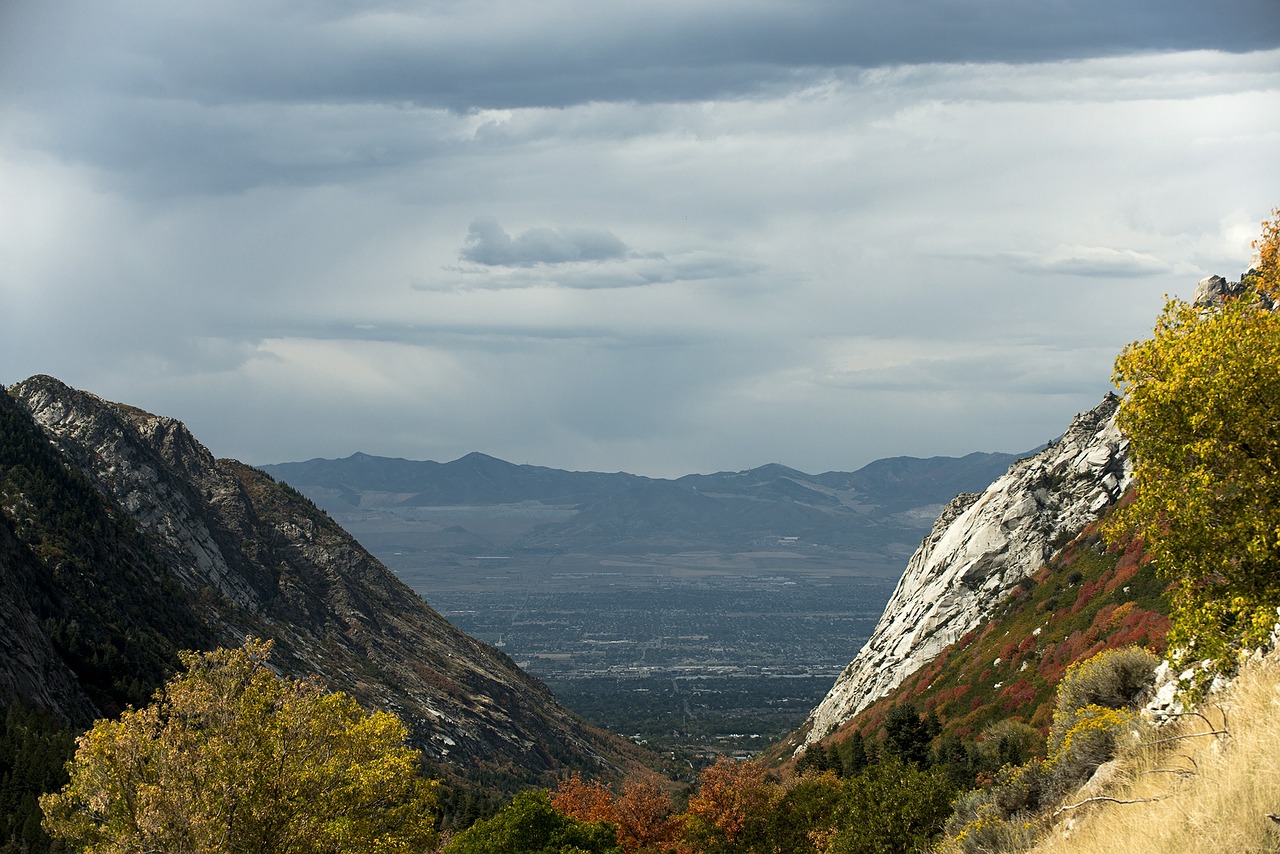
1085,599
196,551
93,617
981,547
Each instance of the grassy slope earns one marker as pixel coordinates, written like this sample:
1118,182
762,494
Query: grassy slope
1197,793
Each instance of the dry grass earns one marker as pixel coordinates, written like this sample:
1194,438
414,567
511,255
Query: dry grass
1210,793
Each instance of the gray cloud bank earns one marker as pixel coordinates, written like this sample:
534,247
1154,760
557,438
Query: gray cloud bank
715,234
514,54
487,243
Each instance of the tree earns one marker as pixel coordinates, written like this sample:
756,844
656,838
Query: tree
892,808
230,757
907,735
1266,278
733,802
583,801
804,819
853,755
642,813
1201,409
530,825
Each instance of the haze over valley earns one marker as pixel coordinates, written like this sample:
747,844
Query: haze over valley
706,613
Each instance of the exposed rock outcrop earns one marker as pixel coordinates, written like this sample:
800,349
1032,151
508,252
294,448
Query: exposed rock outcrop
249,556
979,549
1215,290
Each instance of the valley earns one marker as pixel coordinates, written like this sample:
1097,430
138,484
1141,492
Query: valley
694,654
699,617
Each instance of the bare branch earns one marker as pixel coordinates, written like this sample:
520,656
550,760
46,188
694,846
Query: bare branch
1101,798
1188,735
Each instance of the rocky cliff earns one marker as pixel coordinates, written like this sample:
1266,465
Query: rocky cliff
981,547
192,550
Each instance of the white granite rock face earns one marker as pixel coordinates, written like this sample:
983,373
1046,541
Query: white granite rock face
981,547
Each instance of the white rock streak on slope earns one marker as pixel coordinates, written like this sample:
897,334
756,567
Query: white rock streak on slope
979,549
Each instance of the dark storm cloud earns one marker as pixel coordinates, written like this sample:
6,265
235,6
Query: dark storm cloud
217,97
488,244
517,54
513,55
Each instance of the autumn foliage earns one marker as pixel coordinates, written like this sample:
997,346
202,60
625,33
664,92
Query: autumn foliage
1202,413
642,813
231,758
731,795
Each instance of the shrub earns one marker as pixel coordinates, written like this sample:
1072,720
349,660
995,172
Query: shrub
979,826
530,825
1010,742
1082,740
892,808
1020,788
1113,679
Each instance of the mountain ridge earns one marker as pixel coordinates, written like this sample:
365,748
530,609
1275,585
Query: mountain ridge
245,555
731,511
981,547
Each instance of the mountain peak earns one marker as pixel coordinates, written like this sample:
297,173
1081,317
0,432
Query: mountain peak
478,458
242,555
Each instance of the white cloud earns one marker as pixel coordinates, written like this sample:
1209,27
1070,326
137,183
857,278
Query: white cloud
1101,261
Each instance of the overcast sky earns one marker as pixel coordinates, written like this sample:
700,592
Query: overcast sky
659,237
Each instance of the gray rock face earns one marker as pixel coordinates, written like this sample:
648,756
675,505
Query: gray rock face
1215,290
981,547
255,558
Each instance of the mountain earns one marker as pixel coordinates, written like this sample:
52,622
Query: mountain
122,539
882,508
474,479
981,548
1085,599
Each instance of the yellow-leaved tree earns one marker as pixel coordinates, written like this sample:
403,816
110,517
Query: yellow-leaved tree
231,757
1201,409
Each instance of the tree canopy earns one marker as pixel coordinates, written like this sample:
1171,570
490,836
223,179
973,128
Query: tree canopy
531,825
1202,412
230,757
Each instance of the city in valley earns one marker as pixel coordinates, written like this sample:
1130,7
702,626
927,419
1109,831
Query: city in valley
704,615
692,654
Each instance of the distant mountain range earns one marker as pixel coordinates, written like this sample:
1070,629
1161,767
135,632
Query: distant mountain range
885,507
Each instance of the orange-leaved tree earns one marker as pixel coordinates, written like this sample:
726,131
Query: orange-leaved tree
733,801
642,813
582,800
